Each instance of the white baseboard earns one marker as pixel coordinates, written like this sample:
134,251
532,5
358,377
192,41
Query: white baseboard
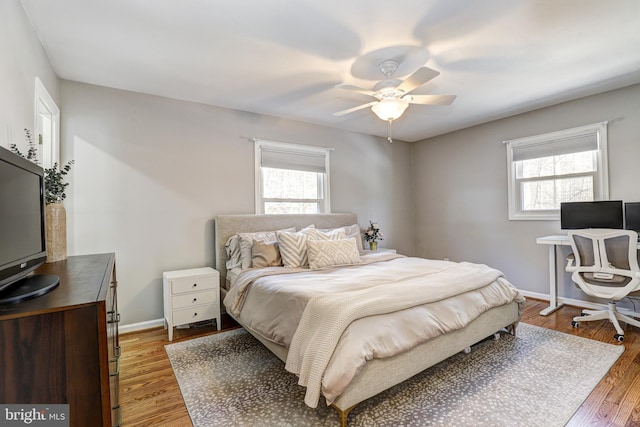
536,295
140,326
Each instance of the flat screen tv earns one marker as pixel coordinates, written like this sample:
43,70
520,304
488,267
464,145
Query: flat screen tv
632,216
22,229
601,214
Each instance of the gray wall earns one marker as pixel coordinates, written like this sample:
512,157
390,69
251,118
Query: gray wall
23,58
151,173
460,187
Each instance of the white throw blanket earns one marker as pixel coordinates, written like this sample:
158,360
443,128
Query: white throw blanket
326,317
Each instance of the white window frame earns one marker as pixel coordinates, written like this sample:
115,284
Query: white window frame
45,108
601,176
260,144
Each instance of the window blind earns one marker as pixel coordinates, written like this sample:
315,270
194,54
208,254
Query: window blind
283,158
572,144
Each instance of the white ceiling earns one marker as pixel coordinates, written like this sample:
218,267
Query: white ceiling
284,57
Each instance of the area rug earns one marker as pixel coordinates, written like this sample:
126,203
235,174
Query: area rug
538,378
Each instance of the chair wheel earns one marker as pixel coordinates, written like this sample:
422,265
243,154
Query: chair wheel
496,336
575,324
618,337
583,314
467,350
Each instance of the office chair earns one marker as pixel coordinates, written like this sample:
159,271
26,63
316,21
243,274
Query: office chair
605,265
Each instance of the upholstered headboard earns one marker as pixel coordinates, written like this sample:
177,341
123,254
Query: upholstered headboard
228,225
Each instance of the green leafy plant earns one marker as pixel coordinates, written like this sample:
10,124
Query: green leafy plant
54,185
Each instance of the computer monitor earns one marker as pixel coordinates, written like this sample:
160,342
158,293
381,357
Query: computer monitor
632,216
601,214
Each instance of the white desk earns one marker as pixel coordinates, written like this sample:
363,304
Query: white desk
554,242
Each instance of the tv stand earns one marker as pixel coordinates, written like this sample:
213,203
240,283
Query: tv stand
29,287
63,347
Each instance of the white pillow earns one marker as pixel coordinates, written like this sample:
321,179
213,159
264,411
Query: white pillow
330,253
352,231
293,247
246,243
336,234
232,247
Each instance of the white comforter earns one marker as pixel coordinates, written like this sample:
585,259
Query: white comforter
334,320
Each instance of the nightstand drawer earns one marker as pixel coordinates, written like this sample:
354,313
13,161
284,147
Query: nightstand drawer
195,314
193,299
189,284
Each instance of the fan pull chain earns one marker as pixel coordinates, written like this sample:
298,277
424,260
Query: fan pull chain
389,137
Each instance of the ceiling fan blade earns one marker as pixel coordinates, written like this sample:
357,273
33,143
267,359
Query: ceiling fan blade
420,77
351,110
356,89
430,99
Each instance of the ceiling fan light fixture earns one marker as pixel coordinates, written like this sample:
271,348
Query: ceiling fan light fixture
390,109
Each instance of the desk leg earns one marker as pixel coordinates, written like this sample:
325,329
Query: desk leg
553,283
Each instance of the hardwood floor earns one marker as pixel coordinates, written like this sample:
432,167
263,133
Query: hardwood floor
149,392
616,400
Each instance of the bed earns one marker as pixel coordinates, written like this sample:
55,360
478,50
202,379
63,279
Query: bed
244,302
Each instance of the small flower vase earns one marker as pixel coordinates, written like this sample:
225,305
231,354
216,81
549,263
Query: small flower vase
373,246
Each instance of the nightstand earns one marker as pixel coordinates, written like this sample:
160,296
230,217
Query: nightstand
191,296
384,250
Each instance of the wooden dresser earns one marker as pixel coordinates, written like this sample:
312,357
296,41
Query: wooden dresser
62,347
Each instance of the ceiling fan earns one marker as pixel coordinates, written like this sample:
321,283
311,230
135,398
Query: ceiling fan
392,95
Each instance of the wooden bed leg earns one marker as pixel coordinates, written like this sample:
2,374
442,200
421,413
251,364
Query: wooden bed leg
343,415
512,328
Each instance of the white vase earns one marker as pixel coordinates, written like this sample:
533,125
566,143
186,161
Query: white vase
56,232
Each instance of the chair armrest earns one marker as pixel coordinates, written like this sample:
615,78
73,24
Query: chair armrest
571,260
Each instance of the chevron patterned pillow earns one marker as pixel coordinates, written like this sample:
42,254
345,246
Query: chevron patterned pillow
315,234
350,231
329,253
293,246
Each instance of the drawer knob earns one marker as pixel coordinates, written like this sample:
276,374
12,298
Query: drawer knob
195,285
195,314
195,299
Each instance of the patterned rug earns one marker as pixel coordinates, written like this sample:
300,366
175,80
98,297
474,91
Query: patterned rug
539,378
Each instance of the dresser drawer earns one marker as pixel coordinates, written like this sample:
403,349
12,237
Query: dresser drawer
190,284
193,299
195,314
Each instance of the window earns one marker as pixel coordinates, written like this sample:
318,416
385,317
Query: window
564,166
291,179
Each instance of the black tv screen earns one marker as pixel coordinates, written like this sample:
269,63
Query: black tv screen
632,216
601,214
22,233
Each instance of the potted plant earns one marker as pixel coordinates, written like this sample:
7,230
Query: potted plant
372,234
55,193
